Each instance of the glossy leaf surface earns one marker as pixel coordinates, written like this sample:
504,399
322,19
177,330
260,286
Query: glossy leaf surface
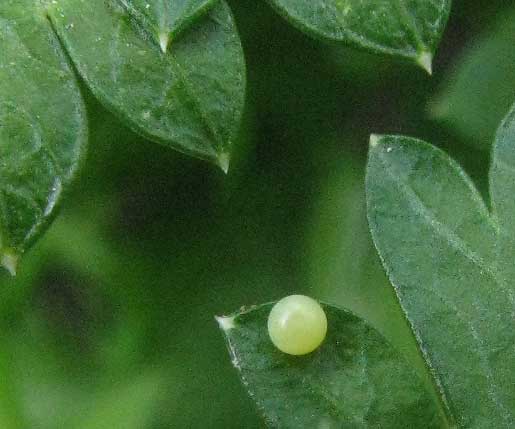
189,98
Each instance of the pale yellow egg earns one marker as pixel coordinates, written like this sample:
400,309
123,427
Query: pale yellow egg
297,325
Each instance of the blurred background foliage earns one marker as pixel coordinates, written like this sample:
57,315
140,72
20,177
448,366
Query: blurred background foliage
109,323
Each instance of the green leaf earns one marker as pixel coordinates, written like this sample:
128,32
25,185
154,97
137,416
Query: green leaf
42,126
478,91
450,261
355,379
165,19
190,98
404,28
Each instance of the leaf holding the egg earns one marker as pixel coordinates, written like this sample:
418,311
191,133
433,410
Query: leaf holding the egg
42,126
450,260
410,29
355,379
189,98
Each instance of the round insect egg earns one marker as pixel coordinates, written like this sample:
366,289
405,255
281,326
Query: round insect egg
297,325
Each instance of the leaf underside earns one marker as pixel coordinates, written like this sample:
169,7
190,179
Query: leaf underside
40,147
450,260
406,28
355,379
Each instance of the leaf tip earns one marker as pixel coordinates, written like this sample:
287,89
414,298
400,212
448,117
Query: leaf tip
375,139
224,161
9,261
425,60
226,323
164,41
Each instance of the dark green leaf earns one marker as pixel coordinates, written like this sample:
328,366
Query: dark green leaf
42,126
451,263
479,90
355,379
165,19
405,28
190,98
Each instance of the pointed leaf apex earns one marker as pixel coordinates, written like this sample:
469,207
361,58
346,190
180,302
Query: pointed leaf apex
425,60
375,139
9,261
224,162
226,323
164,41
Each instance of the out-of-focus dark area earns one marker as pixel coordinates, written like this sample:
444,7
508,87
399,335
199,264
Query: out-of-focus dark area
109,323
